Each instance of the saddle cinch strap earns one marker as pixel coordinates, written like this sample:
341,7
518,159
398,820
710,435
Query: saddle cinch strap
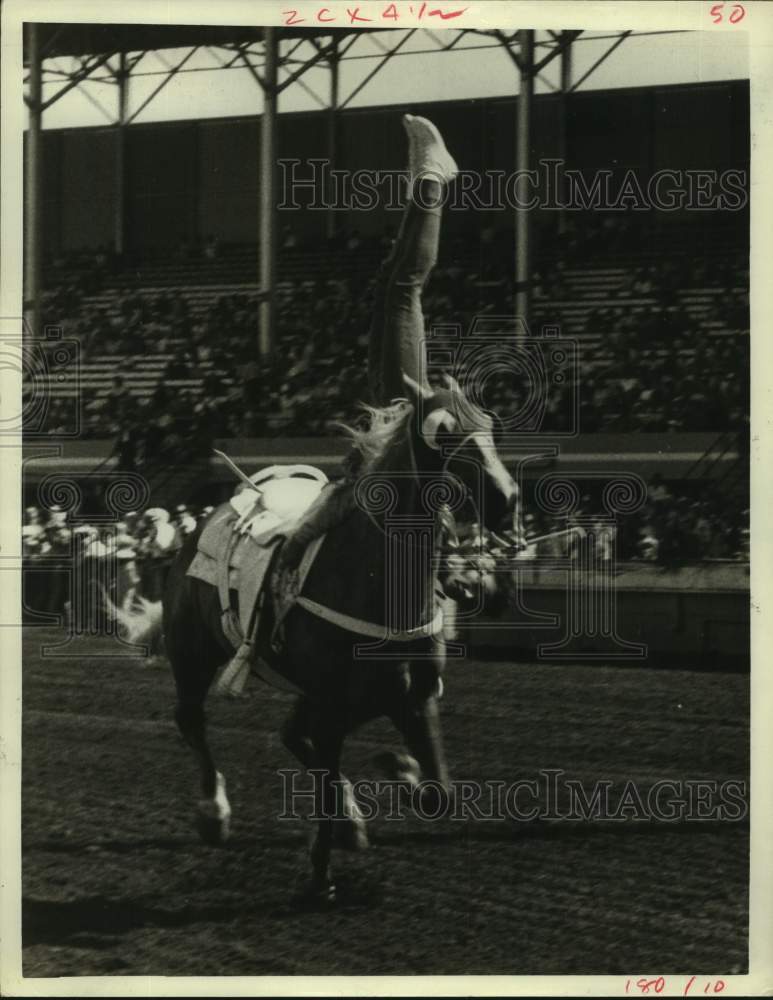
235,675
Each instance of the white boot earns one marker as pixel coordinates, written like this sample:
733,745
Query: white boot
427,153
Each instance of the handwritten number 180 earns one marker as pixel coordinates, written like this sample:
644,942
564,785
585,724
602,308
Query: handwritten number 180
645,986
736,14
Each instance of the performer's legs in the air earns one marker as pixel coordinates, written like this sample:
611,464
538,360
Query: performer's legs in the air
397,331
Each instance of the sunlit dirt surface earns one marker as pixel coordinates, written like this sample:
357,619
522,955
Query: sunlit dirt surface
116,882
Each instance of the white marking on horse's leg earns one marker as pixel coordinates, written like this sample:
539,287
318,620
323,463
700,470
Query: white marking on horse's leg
214,815
354,829
400,767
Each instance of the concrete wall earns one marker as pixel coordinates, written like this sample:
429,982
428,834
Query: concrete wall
700,613
672,455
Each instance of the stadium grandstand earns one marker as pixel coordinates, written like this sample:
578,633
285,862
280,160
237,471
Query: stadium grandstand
153,250
515,586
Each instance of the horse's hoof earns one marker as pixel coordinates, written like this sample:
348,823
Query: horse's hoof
317,896
214,830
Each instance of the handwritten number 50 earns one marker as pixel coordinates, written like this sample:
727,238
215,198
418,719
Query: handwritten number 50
736,14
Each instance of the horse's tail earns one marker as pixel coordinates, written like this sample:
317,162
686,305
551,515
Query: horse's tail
141,624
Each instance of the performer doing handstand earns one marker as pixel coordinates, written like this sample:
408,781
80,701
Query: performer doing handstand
397,329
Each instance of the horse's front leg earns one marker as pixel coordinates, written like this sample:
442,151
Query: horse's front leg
350,831
417,716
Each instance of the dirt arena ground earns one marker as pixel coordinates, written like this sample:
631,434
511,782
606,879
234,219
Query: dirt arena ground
116,882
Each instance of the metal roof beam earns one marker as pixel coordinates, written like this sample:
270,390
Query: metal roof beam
376,69
97,104
563,44
506,43
305,87
600,60
459,36
294,49
253,70
78,77
164,83
323,53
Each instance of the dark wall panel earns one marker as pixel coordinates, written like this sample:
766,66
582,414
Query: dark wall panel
88,189
228,173
611,129
188,180
693,128
52,192
305,137
162,183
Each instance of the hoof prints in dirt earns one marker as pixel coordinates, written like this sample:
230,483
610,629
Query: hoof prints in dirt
117,882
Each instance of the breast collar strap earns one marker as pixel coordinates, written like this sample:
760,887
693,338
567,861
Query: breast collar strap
371,629
374,630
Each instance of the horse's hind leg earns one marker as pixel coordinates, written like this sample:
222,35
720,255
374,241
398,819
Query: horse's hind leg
195,658
328,739
213,811
296,733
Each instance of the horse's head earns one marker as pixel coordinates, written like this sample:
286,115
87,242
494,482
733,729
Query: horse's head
455,437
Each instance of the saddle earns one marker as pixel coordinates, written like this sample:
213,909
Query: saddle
237,552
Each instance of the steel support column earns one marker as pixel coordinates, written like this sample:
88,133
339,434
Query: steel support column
566,86
33,186
331,222
268,220
523,161
119,166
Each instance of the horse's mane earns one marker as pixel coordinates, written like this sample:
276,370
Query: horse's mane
380,427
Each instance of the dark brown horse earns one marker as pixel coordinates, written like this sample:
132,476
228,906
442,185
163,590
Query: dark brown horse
379,566
427,449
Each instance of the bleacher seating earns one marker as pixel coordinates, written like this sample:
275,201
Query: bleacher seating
202,283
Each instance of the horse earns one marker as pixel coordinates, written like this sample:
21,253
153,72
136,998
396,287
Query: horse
408,468
421,448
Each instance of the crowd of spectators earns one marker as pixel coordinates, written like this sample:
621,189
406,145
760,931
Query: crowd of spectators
138,549
651,369
672,529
